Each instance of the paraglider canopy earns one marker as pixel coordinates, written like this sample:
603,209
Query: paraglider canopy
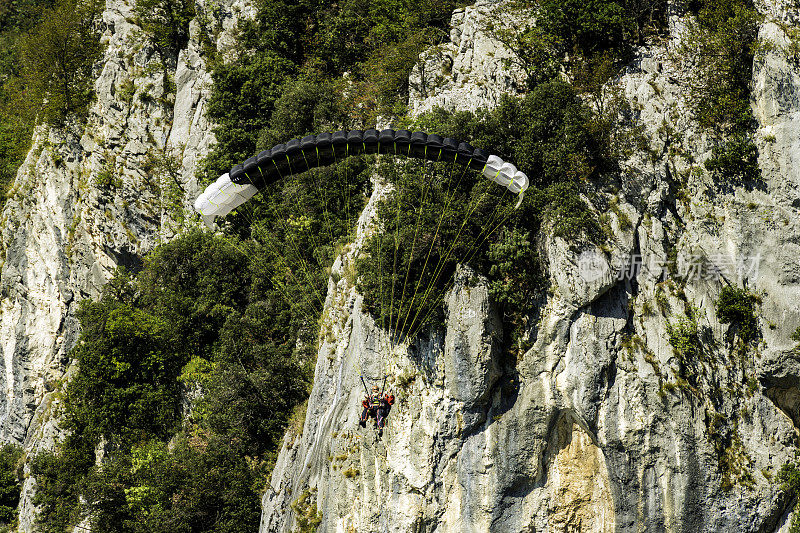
236,187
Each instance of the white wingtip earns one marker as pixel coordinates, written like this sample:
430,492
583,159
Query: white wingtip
520,197
208,220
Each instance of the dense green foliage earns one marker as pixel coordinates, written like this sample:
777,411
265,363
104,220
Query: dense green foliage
47,49
586,37
16,122
129,372
724,34
197,317
591,39
550,134
737,307
10,486
58,56
352,31
586,26
309,104
723,40
242,101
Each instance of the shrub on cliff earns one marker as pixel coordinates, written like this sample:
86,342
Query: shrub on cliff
737,307
10,486
166,22
723,38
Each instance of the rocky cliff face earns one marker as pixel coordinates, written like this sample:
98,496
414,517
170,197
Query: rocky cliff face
91,197
592,429
595,428
472,70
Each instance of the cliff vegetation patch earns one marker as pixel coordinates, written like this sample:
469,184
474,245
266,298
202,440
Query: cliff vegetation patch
722,38
11,457
47,51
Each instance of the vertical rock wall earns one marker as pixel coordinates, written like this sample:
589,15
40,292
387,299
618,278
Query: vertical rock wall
472,70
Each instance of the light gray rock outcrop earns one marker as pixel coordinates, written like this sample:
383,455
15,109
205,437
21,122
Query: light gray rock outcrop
471,71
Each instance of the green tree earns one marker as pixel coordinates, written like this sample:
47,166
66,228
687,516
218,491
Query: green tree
194,283
58,56
205,313
241,104
16,130
256,380
514,271
352,30
10,487
59,478
134,344
384,76
684,337
17,109
547,134
536,50
734,158
428,226
126,388
167,23
285,28
586,26
722,38
307,105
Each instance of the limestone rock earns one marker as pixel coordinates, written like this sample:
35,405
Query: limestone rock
580,491
471,71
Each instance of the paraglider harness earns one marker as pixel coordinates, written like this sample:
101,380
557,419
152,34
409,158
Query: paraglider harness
376,406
